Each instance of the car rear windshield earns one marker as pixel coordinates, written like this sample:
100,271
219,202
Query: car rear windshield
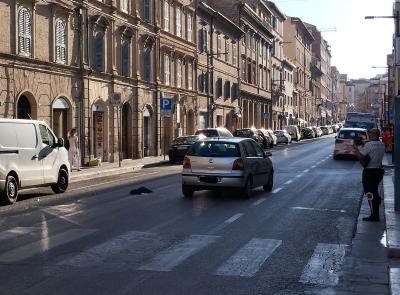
214,149
243,133
208,133
185,140
351,134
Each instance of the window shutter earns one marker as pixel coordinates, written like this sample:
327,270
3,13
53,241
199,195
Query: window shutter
24,31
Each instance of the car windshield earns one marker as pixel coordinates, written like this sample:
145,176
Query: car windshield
243,133
280,133
214,149
351,134
185,140
208,132
363,125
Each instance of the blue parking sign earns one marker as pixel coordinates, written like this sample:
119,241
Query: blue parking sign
166,107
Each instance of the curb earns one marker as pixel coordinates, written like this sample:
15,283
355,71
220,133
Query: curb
104,172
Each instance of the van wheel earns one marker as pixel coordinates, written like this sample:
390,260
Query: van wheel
62,182
187,192
270,184
10,194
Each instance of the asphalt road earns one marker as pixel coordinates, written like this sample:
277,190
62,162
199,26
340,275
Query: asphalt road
98,238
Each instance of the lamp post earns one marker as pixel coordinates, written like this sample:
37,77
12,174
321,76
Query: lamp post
396,122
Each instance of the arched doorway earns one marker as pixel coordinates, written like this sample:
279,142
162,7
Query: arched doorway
60,117
24,110
146,131
126,131
190,122
98,131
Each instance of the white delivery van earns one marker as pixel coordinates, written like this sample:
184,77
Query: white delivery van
30,155
294,132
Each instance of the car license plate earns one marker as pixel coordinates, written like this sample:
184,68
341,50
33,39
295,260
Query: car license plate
209,179
182,147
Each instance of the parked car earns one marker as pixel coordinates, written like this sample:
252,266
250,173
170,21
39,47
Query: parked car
294,132
30,155
307,132
345,139
271,134
214,132
250,133
226,163
325,130
268,141
317,131
180,146
335,128
283,136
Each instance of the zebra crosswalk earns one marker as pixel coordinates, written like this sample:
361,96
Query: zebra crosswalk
154,252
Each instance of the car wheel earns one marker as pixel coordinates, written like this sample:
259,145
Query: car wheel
62,182
187,192
10,194
246,191
335,157
270,184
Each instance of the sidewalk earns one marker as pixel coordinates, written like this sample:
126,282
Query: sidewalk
107,168
392,225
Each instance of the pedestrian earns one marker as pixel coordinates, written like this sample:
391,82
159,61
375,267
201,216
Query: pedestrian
73,152
387,138
371,156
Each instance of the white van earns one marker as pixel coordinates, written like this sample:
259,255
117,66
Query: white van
294,132
30,155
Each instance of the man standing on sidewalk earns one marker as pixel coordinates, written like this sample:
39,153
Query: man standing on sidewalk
373,172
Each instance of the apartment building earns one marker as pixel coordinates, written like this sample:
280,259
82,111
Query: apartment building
218,70
297,46
253,17
289,106
338,96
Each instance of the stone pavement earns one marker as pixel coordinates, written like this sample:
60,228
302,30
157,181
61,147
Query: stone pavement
107,169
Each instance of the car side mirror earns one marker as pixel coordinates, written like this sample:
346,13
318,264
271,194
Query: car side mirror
60,142
268,154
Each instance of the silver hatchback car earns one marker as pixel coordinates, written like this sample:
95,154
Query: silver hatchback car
226,163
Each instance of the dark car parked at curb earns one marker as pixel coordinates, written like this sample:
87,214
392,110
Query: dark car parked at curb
307,132
180,146
269,138
235,163
250,133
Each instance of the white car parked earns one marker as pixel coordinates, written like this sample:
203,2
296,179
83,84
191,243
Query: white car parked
30,155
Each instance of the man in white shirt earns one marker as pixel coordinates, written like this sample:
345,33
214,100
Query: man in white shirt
373,172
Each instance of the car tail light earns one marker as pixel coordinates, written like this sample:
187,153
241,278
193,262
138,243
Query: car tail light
339,141
238,165
186,163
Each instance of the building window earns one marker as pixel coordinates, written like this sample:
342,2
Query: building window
244,69
203,40
61,40
219,46
147,64
99,51
227,89
201,83
124,5
166,16
146,10
235,90
125,58
24,32
249,71
227,50
190,76
179,73
218,87
178,21
234,55
190,28
167,70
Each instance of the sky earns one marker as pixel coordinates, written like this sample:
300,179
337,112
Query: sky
358,44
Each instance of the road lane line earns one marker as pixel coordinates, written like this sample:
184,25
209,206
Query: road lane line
247,261
172,257
313,166
102,251
43,245
318,209
324,265
289,182
17,231
299,175
307,170
256,203
225,224
277,190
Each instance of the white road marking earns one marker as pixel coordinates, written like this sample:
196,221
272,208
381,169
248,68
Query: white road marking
256,203
289,182
172,257
277,190
248,260
307,170
313,166
324,265
16,231
100,252
300,175
43,245
225,223
318,209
